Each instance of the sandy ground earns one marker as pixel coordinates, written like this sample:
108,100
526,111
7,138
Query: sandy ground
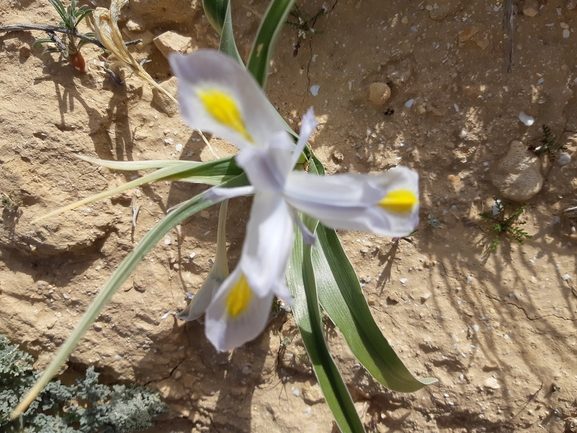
497,330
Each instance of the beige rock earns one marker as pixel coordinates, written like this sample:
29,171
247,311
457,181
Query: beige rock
531,8
134,26
162,101
491,383
440,9
530,11
379,93
518,176
171,41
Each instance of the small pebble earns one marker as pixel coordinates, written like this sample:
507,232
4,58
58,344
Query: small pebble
403,281
564,159
566,277
491,383
566,33
315,89
526,119
409,103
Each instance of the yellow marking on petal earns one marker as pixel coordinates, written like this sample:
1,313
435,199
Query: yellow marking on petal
239,297
223,108
399,201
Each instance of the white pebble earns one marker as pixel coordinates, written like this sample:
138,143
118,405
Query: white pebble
566,33
167,240
566,277
526,119
469,279
315,89
295,391
403,281
409,103
179,147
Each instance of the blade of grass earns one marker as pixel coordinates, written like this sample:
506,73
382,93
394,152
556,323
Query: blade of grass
123,271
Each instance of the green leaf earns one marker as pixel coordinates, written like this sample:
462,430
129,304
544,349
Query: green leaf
209,173
265,41
301,281
119,276
342,298
215,11
227,43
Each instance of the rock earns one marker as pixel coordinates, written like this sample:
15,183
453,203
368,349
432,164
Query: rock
379,93
440,9
529,11
134,26
564,159
25,51
171,41
162,101
491,366
517,175
491,383
531,8
399,72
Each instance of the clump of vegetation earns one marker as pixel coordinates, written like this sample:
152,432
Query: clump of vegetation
505,222
303,25
433,221
87,406
71,17
9,202
550,144
69,48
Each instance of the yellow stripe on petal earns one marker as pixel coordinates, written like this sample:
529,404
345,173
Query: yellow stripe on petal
223,108
239,297
399,201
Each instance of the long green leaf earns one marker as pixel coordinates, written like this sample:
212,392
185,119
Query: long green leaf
215,11
301,282
209,173
227,43
123,271
341,297
265,41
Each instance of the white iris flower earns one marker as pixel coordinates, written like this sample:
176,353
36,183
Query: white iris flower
218,96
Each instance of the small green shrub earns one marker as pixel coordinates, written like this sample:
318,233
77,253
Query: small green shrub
505,222
87,406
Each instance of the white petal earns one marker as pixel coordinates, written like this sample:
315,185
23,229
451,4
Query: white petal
268,242
308,125
217,95
216,194
351,201
267,168
232,319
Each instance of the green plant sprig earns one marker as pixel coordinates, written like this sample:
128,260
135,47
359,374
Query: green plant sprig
505,224
550,143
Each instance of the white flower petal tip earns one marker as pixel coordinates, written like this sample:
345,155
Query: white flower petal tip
385,204
236,314
217,95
